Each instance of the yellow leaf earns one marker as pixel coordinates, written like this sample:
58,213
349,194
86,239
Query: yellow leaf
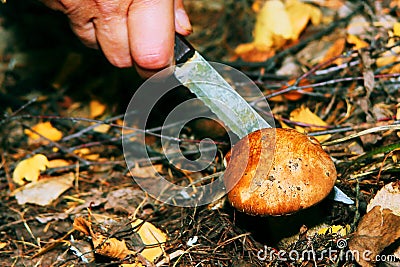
386,59
300,14
29,169
46,130
273,25
357,42
86,153
3,245
96,108
396,29
335,229
252,53
151,236
82,151
92,157
58,163
102,128
305,115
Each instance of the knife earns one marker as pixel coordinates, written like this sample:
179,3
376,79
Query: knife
195,73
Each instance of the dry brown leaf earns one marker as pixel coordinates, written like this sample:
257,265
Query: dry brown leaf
110,247
305,115
377,230
147,171
45,191
96,108
29,169
388,197
46,130
83,226
151,236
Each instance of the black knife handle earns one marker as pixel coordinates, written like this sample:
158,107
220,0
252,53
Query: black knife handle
183,49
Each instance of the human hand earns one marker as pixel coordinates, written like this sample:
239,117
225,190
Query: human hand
129,32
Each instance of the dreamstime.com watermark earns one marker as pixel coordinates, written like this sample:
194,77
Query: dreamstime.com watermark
333,254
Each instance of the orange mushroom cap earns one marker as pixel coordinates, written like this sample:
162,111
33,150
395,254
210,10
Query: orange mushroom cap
277,178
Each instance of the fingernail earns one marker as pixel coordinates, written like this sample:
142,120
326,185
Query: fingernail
183,20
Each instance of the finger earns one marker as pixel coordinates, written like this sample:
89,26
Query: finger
151,33
80,15
86,34
110,24
182,22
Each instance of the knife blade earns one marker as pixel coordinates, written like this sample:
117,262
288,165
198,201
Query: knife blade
195,73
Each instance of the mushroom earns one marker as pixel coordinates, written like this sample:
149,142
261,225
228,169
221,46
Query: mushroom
277,178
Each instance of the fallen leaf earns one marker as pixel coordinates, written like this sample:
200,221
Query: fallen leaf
252,53
335,229
277,23
396,29
146,171
297,94
46,130
305,115
357,42
300,14
44,191
3,245
390,56
110,247
86,153
151,236
29,169
388,197
124,200
335,50
378,229
332,4
102,128
96,108
273,25
55,163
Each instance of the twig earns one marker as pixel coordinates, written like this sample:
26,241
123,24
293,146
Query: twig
53,244
368,131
